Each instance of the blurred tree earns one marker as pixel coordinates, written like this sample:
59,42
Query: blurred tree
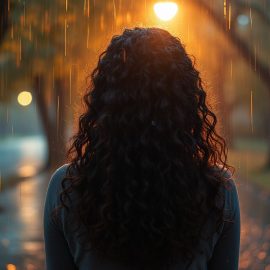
51,45
224,14
48,42
4,8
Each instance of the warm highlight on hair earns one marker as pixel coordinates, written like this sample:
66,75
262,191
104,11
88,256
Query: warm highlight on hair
143,162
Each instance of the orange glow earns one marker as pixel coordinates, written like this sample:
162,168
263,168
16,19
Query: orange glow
27,171
166,10
11,266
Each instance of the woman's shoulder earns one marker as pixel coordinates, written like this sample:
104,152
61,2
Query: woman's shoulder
230,191
58,175
55,183
59,172
227,175
231,197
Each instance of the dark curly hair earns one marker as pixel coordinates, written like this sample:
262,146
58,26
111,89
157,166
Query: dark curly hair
143,162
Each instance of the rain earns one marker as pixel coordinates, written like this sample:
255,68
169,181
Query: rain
47,50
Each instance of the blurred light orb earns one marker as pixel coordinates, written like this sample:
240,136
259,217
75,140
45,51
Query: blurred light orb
165,10
24,98
27,171
243,20
11,267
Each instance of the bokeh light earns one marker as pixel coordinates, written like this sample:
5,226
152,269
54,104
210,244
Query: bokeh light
27,171
24,98
243,20
11,267
165,10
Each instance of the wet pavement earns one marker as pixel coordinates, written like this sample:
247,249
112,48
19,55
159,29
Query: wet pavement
21,234
23,156
255,227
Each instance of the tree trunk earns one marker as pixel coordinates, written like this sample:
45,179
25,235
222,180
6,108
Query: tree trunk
53,127
3,18
58,136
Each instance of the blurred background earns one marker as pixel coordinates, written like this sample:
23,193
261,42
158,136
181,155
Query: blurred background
47,50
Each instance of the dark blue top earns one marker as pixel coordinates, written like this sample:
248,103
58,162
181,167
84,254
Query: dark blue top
63,251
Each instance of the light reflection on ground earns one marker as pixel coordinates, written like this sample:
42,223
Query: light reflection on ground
21,230
23,156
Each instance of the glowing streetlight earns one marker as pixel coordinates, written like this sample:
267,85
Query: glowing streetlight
165,10
24,98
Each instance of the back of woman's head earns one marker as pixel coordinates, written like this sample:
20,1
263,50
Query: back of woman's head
144,154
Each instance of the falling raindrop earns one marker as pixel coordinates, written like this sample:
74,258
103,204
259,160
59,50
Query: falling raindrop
188,33
84,7
101,22
57,119
87,37
128,17
65,37
88,8
53,77
114,11
12,31
30,32
20,192
145,8
231,69
225,9
255,57
20,49
251,112
250,16
24,13
7,116
70,84
230,15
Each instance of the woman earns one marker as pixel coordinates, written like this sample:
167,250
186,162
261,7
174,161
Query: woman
147,186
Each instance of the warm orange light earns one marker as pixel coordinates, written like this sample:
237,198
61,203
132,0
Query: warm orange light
11,266
165,10
27,171
24,98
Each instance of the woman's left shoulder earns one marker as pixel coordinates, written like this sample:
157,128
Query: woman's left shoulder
231,207
228,188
